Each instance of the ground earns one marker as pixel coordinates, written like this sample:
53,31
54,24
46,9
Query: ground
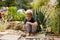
16,35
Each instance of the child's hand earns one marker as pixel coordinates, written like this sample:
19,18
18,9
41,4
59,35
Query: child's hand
28,22
24,27
31,23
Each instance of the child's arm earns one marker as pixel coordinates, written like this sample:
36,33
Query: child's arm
35,24
24,27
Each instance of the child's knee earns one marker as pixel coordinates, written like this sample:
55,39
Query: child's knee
28,28
34,29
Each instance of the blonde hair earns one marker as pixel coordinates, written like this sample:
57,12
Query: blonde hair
29,12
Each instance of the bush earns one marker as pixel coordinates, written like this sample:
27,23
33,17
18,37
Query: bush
51,18
19,17
13,15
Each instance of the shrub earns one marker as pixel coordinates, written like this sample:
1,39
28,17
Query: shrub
19,17
13,15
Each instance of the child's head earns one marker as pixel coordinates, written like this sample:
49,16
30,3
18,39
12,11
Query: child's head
28,14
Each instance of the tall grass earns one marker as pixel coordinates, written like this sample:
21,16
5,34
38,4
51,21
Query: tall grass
47,15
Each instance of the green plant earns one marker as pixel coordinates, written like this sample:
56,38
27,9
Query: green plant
52,18
19,17
2,27
39,15
51,15
13,15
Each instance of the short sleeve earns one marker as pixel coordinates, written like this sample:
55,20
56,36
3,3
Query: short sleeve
33,20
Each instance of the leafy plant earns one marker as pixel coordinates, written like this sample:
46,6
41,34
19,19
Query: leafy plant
47,15
11,13
19,17
14,16
39,15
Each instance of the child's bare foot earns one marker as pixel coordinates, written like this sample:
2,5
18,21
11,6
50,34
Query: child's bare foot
33,34
28,34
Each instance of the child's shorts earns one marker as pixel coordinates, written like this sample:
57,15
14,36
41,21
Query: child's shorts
30,28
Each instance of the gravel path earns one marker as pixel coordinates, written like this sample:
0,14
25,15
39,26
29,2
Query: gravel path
40,37
16,35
